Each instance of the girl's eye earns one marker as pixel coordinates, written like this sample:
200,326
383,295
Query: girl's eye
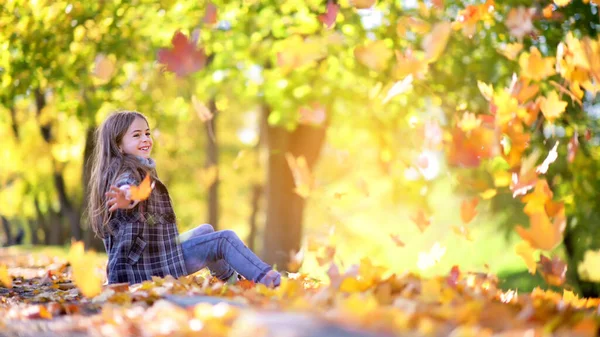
148,134
136,135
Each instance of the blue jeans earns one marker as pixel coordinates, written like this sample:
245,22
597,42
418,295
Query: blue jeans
222,252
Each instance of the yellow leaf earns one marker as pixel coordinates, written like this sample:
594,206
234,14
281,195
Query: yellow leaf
552,107
534,66
524,250
488,194
588,269
141,192
83,273
508,108
469,122
487,90
542,233
201,110
511,50
435,43
352,285
303,179
431,290
562,3
502,178
5,278
413,24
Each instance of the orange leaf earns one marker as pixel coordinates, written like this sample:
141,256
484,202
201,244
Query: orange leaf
325,255
303,179
536,201
141,192
542,233
362,4
534,66
374,55
210,16
396,239
467,210
421,220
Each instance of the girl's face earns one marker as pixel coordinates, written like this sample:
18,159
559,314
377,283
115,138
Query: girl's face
137,140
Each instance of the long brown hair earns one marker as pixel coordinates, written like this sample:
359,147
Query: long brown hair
107,163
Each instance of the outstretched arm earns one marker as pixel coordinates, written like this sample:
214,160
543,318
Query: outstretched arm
119,197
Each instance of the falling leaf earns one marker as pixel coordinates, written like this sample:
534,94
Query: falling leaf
524,250
141,192
5,278
435,42
469,122
363,4
552,156
488,194
421,220
562,3
398,88
547,11
373,55
184,58
326,255
84,275
542,234
413,24
553,271
210,16
467,19
296,260
201,110
588,269
104,68
453,277
535,202
303,179
573,147
397,241
296,51
429,259
534,66
519,21
462,231
330,14
487,90
552,106
410,63
207,176
467,210
315,114
511,50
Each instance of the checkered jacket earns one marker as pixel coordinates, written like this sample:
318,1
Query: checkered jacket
143,241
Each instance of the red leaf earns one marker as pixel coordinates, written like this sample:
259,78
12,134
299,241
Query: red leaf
573,147
330,15
211,14
184,58
453,277
553,271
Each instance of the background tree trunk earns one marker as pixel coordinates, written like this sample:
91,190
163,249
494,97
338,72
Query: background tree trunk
283,230
212,158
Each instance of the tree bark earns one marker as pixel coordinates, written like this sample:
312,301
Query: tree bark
66,207
212,159
255,204
283,230
7,231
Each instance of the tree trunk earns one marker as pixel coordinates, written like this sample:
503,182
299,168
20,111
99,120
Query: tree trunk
212,159
33,229
66,207
283,230
7,231
255,204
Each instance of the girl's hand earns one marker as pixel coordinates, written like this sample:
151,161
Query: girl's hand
118,198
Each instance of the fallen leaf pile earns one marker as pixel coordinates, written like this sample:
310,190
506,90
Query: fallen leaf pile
365,299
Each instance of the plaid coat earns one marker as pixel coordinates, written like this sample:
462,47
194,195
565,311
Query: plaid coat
143,241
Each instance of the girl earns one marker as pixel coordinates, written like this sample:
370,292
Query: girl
141,238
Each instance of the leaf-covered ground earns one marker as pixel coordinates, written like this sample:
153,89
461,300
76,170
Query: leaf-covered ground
362,301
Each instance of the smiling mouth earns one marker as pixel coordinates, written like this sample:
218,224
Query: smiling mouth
145,148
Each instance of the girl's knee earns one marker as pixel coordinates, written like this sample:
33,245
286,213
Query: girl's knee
204,229
229,233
